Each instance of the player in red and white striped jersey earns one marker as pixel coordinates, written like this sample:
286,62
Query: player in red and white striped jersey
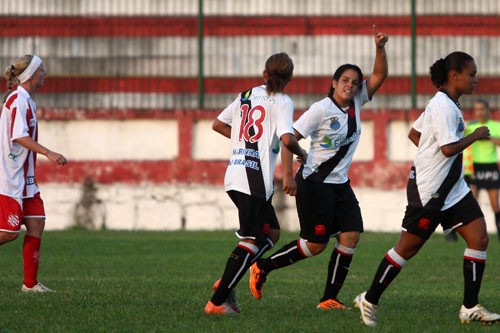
20,201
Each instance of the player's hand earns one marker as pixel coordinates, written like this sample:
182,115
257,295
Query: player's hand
482,133
289,186
56,158
380,37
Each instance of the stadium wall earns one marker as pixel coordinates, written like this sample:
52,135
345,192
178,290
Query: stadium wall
122,97
164,170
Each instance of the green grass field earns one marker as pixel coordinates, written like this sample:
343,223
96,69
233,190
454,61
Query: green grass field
111,281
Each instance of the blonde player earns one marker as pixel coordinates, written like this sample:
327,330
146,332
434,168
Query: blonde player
20,201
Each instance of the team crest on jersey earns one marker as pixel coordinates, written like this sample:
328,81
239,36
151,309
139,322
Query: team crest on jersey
327,142
334,123
461,125
13,220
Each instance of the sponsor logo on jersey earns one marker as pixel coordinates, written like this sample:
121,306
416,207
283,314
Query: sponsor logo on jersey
276,149
247,152
30,180
245,98
346,141
327,142
246,163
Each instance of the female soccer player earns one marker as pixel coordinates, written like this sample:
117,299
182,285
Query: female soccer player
326,204
437,192
20,201
255,122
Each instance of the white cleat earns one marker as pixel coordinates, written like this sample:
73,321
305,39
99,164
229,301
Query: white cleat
37,288
478,313
367,309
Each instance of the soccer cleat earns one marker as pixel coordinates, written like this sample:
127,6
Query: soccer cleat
37,288
231,299
478,313
367,309
224,308
331,304
257,280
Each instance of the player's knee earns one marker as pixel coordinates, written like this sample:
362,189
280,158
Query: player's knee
483,242
274,236
316,248
6,237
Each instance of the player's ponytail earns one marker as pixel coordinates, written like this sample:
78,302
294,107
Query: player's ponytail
453,61
13,71
279,69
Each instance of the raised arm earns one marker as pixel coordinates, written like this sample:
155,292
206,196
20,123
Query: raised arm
380,68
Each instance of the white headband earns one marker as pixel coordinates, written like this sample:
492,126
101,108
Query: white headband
30,70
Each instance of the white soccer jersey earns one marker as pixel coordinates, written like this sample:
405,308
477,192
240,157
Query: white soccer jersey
257,122
334,135
18,119
437,181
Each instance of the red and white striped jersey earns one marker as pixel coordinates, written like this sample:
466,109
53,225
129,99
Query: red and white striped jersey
18,119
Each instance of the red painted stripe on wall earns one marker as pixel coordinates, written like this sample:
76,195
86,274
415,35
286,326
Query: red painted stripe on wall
151,26
221,85
378,173
367,174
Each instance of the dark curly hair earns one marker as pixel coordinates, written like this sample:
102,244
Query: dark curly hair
453,61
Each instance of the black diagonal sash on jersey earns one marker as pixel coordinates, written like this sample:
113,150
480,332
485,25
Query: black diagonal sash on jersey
255,177
439,197
327,167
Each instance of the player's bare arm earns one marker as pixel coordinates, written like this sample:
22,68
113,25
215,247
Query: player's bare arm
380,67
222,128
28,143
414,136
479,133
